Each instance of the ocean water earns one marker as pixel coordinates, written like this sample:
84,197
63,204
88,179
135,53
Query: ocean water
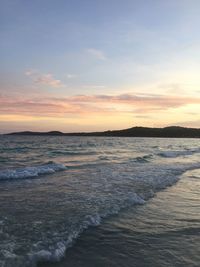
96,201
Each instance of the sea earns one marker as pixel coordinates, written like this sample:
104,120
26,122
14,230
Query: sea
99,202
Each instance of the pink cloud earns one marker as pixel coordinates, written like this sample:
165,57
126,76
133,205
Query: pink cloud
46,107
44,79
47,79
92,104
143,103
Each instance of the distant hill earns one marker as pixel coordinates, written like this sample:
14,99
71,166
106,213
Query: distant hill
37,133
169,132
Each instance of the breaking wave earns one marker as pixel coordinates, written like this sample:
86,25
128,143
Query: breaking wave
58,251
174,154
31,172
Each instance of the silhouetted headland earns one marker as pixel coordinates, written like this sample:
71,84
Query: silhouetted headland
168,132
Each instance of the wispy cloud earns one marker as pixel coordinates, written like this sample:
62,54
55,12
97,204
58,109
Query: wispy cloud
94,104
71,76
47,79
44,79
190,123
141,103
94,86
50,107
96,53
31,72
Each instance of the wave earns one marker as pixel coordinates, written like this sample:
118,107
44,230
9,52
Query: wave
132,198
58,252
31,172
143,159
72,153
15,149
178,153
64,240
139,159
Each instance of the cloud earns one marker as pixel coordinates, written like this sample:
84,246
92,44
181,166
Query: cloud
80,105
95,86
142,116
98,54
47,79
144,103
71,76
47,107
30,72
194,123
44,79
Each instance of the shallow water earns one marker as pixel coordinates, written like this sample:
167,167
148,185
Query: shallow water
163,232
54,189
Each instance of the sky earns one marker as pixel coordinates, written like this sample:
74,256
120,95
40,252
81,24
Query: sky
93,65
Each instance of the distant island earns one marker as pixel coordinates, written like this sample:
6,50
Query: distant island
166,132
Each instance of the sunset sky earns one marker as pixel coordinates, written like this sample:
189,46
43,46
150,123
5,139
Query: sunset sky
85,65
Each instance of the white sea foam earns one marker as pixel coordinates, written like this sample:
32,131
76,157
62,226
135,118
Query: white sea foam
58,252
31,172
177,153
